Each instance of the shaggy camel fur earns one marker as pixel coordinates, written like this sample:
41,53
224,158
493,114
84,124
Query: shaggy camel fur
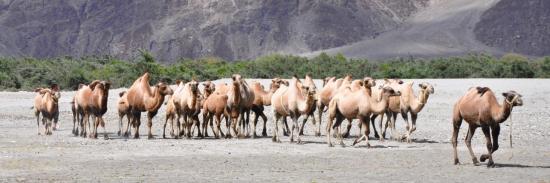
408,103
215,106
479,108
92,100
356,105
186,102
46,103
262,98
293,101
142,98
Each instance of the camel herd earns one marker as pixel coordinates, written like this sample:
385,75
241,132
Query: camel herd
363,100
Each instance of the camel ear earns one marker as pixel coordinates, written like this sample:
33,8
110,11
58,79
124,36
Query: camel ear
421,85
37,89
93,83
54,87
482,90
233,77
121,93
400,81
81,85
507,94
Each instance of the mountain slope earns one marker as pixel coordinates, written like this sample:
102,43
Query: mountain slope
231,29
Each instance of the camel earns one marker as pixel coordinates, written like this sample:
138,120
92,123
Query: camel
245,104
262,98
356,105
232,107
408,103
395,84
186,102
92,100
215,106
366,83
209,88
142,98
293,101
308,81
76,116
123,110
479,108
46,103
331,86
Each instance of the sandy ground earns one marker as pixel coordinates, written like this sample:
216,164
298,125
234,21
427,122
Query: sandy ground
26,156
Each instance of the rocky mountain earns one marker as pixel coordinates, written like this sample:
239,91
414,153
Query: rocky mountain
171,29
245,29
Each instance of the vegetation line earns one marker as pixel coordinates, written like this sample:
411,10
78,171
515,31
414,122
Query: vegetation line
29,73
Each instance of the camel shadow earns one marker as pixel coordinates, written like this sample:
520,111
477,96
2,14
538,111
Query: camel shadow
425,141
504,165
376,146
312,142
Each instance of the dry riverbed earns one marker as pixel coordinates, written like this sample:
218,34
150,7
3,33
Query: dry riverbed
28,157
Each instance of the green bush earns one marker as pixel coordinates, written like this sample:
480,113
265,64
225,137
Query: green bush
29,73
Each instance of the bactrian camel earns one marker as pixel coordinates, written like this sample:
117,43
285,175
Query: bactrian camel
292,101
479,108
356,105
262,98
142,98
46,103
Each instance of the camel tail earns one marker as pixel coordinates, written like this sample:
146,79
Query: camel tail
510,136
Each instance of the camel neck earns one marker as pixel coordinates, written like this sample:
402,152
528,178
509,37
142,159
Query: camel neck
154,101
418,103
502,112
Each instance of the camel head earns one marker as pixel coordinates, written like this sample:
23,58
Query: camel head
194,85
513,98
393,81
388,91
93,84
164,89
368,82
209,87
308,92
427,87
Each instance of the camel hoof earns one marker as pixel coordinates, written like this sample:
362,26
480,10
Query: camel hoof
118,133
345,135
330,145
264,134
317,134
475,162
105,137
376,136
457,162
253,136
491,164
150,137
483,157
343,145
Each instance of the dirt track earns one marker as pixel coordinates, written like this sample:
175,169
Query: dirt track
25,156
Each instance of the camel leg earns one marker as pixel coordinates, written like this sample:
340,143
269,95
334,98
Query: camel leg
406,118
150,116
37,114
136,122
330,119
228,125
413,127
276,118
55,121
128,127
487,133
286,129
254,123
301,128
234,122
264,130
105,136
247,123
348,129
120,116
495,131
96,124
457,121
211,123
196,123
302,125
468,140
365,136
339,120
204,126
394,133
380,135
388,119
216,130
164,127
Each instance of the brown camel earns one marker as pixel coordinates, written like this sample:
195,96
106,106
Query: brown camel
209,88
408,103
262,98
46,103
186,102
331,87
366,83
215,106
232,106
293,101
479,108
245,104
142,98
92,100
356,105
395,84
76,116
123,110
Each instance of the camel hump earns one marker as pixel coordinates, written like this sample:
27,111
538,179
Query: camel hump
482,90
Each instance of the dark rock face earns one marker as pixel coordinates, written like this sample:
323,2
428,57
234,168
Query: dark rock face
517,26
172,29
